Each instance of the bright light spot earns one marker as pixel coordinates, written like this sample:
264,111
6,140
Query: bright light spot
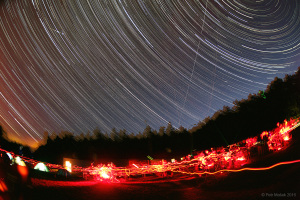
103,174
286,138
10,156
19,161
241,158
42,167
68,166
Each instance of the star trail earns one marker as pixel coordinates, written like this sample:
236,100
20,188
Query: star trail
79,65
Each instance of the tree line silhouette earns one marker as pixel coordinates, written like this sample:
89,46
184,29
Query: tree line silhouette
247,118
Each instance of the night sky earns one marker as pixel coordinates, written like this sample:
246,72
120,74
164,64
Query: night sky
79,65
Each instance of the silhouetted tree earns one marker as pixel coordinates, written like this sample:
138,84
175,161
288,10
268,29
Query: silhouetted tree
248,117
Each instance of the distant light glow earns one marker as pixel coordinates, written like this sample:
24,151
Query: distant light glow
241,158
10,156
19,161
3,187
103,174
286,138
279,135
42,167
68,165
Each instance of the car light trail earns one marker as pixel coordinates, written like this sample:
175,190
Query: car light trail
242,169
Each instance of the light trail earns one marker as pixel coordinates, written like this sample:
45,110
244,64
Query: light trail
243,169
214,161
189,85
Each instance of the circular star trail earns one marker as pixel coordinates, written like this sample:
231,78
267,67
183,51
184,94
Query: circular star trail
79,65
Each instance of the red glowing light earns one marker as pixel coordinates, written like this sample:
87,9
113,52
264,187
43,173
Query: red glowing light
226,159
103,174
286,138
265,133
3,187
241,158
277,137
251,142
23,171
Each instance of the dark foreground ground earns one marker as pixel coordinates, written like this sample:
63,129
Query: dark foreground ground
282,182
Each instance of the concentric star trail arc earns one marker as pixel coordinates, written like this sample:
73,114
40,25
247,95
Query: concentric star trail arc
80,65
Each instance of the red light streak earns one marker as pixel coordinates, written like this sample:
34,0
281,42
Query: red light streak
135,165
223,159
242,169
3,187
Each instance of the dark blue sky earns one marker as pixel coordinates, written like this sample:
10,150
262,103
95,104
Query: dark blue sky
77,65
